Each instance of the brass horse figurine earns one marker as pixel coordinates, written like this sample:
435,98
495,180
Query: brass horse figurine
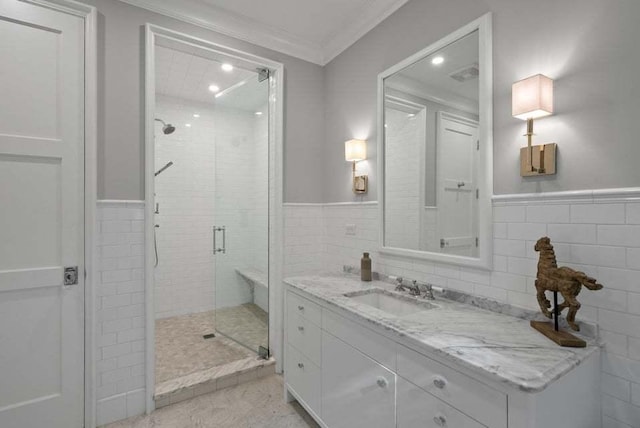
564,280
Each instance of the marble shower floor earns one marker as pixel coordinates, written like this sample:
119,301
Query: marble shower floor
256,404
181,349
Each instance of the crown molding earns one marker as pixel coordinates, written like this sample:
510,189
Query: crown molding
353,31
234,25
270,37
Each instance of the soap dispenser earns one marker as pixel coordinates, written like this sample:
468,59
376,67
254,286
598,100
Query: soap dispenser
365,267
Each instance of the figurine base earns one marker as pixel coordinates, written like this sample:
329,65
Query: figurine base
562,338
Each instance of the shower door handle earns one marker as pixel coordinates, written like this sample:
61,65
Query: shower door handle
222,250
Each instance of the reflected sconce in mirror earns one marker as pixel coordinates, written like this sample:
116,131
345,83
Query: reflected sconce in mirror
532,98
356,151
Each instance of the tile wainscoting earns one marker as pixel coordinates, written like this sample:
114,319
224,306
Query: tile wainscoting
597,232
120,332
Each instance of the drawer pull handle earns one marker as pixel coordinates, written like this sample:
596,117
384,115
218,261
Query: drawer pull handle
300,328
300,308
300,365
440,420
439,383
382,382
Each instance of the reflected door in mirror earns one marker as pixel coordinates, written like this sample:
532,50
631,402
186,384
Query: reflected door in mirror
457,185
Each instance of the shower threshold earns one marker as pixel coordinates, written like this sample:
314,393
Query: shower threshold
205,381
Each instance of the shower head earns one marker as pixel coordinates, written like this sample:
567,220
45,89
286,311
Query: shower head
163,168
167,128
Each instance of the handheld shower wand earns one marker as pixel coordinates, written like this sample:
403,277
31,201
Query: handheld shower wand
158,172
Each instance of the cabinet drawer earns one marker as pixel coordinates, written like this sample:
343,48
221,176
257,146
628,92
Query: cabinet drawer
419,409
303,307
303,377
476,399
366,341
305,337
356,391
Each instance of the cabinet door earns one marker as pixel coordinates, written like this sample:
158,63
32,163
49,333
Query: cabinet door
419,409
304,378
356,390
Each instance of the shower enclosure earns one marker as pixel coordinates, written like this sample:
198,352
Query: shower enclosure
241,230
211,282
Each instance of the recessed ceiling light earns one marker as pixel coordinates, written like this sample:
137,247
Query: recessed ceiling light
188,125
196,115
219,94
411,115
214,88
258,113
227,67
437,60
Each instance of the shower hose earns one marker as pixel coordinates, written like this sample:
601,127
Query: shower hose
155,244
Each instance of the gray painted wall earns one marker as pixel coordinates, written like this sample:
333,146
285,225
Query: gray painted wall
121,105
588,46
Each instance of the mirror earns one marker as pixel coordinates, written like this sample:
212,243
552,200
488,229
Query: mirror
436,150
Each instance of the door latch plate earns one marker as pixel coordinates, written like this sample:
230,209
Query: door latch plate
71,275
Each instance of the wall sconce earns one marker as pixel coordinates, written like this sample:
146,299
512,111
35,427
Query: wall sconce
532,98
356,151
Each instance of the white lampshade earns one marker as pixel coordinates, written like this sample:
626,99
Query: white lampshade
532,97
355,150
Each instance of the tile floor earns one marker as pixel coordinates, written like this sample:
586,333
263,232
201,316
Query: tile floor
256,404
247,324
181,350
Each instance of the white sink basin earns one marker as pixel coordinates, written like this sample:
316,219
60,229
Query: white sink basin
389,303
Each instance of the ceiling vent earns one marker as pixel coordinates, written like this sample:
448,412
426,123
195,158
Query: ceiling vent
468,72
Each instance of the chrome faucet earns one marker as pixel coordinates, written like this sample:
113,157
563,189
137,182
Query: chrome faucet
414,289
399,287
428,294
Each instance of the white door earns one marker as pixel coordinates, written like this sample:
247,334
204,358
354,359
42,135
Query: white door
41,216
457,146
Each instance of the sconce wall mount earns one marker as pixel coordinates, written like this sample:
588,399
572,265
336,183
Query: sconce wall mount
532,98
356,151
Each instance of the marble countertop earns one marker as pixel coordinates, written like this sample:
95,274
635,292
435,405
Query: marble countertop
501,347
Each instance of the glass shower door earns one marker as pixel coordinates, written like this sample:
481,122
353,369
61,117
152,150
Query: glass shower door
241,230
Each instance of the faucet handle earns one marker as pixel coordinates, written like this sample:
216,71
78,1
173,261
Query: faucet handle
429,292
399,287
414,290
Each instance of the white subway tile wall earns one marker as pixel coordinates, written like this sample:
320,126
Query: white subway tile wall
219,176
120,311
596,236
403,133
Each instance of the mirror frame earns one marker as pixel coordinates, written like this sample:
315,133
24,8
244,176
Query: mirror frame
485,178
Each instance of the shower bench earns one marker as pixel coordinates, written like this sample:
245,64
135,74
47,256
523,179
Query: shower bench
259,283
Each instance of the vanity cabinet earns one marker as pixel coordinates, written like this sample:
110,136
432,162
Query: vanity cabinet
302,351
347,373
419,409
478,400
356,390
